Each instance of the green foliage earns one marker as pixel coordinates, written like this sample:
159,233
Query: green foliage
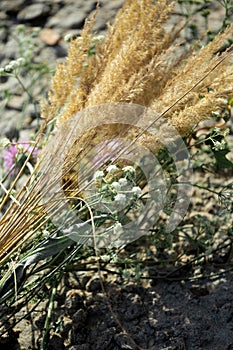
192,8
25,69
228,7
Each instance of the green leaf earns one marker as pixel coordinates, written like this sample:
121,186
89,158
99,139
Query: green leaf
221,161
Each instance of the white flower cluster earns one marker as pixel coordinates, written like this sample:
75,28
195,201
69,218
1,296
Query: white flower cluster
112,169
25,47
120,191
116,185
219,145
26,42
68,37
98,38
136,190
129,172
98,174
123,182
12,65
120,198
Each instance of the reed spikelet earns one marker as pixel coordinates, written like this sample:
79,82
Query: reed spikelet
214,77
119,70
138,62
65,79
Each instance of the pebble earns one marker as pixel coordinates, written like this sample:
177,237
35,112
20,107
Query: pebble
56,342
50,37
11,7
73,302
32,12
8,121
68,18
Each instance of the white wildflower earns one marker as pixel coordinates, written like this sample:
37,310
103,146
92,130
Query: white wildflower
120,198
112,168
219,146
123,182
98,38
14,64
129,169
21,61
8,68
226,132
68,37
137,191
98,174
116,185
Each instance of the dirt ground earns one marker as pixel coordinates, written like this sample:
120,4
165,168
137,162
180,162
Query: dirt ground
162,313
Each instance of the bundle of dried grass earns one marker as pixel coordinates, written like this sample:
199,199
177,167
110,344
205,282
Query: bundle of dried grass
138,63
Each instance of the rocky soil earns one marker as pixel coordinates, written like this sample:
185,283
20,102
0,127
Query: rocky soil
161,314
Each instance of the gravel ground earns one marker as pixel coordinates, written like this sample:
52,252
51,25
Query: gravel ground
160,314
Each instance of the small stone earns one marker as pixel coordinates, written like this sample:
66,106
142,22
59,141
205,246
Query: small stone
56,342
79,347
66,326
200,291
12,133
3,34
94,285
50,37
10,49
68,18
12,6
105,339
3,16
32,12
79,317
8,121
73,302
16,103
124,341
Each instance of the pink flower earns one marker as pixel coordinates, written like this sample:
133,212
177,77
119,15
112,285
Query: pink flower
16,154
